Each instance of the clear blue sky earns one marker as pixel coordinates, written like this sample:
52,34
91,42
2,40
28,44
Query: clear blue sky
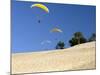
28,35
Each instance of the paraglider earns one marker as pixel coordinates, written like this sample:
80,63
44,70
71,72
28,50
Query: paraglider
56,30
45,42
41,6
38,21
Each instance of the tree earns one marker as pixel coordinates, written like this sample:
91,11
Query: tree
78,38
73,41
92,38
60,45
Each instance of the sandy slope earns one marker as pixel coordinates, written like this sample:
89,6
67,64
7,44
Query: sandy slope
78,57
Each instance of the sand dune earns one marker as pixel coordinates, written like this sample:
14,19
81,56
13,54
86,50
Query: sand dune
78,57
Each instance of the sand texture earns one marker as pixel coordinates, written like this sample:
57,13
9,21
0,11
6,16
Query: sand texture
74,58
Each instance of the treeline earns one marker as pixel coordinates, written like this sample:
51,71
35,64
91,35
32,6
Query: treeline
77,38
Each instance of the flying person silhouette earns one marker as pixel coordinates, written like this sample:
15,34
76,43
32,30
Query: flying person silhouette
41,6
38,21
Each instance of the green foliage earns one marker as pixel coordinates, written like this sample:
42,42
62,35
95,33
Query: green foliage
60,45
92,38
78,38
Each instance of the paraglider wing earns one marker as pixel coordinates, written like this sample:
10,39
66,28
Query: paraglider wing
56,30
45,42
43,7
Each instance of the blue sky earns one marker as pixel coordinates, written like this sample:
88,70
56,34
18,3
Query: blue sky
29,36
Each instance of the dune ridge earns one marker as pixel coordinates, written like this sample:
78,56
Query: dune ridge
74,58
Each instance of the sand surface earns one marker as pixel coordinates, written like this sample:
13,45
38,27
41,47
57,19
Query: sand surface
74,58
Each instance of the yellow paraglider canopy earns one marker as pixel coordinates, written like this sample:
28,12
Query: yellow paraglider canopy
43,7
